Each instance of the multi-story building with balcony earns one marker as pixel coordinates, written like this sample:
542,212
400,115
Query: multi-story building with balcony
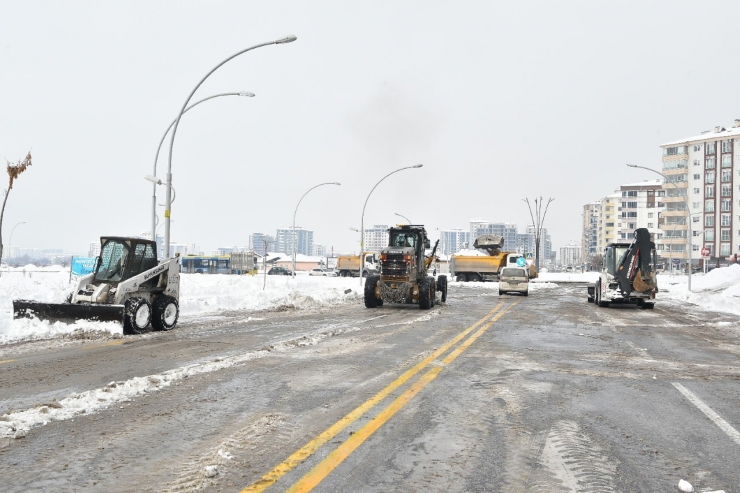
608,219
570,255
284,240
701,172
641,207
590,227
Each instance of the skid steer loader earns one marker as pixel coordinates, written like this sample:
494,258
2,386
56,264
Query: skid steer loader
128,285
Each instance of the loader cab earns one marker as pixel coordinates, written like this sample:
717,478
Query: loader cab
123,258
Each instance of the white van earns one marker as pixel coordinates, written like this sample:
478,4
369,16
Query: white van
513,280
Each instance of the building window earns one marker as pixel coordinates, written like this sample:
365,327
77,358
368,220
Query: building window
710,177
632,193
724,249
709,206
695,205
661,193
650,214
724,235
727,145
696,190
726,190
695,248
650,225
726,205
630,214
697,148
709,192
727,161
609,225
726,175
651,192
697,162
710,148
631,226
710,163
697,177
725,220
695,219
632,205
708,235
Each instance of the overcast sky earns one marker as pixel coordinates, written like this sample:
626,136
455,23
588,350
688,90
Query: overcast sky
498,100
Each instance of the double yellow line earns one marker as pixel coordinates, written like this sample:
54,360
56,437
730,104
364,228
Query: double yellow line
326,466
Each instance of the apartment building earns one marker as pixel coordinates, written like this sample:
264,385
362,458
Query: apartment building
258,241
284,241
453,240
590,227
701,171
509,232
570,254
608,219
376,238
641,207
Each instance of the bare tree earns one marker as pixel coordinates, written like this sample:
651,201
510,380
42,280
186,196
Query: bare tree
538,219
14,170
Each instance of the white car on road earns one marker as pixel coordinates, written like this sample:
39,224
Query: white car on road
323,272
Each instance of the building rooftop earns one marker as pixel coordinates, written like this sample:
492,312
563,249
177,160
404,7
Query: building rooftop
645,183
732,132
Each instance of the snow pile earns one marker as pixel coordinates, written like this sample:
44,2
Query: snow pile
493,286
584,277
200,294
717,290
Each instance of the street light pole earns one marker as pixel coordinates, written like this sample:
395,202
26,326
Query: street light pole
688,211
156,156
406,218
10,242
296,211
168,204
362,222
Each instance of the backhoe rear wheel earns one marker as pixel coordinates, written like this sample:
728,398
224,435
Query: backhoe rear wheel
137,316
165,312
371,301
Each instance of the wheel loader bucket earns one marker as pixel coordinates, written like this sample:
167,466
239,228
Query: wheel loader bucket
67,312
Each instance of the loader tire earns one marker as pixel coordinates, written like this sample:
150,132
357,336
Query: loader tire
371,301
165,312
598,301
432,291
426,293
137,316
442,287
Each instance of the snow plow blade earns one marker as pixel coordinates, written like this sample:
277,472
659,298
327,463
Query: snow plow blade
67,312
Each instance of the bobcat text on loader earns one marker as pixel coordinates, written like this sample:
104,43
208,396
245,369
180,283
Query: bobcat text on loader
128,286
403,271
627,273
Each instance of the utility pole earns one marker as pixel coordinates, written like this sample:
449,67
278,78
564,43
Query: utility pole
538,219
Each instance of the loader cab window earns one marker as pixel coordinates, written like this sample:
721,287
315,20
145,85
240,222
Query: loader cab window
112,261
144,259
614,257
402,239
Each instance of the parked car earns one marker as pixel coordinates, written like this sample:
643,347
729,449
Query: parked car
322,272
279,271
513,280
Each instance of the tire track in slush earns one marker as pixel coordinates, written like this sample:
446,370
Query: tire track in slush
570,461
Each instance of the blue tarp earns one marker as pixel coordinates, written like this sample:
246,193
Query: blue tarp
82,265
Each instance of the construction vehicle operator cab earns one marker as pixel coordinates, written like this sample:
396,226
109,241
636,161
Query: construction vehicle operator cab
124,258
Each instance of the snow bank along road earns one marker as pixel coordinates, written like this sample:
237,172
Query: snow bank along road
484,393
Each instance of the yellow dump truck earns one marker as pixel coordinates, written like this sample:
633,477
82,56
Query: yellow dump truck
349,265
478,268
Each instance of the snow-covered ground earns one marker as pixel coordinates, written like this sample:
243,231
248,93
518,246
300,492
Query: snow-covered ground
201,295
212,294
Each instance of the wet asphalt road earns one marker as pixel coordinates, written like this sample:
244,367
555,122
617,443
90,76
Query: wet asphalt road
483,393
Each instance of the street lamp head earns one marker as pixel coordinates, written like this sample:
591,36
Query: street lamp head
632,165
246,94
418,166
336,183
153,179
287,39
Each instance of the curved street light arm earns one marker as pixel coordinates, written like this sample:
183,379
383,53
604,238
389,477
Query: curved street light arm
156,156
688,211
296,212
362,222
287,39
404,217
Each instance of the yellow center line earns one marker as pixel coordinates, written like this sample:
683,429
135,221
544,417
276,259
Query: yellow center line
112,343
326,466
6,361
312,446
